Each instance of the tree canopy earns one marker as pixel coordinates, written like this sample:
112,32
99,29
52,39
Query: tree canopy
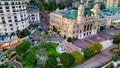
51,62
95,48
50,6
69,39
22,48
8,52
23,33
54,29
30,58
67,59
78,57
116,39
32,2
87,53
61,6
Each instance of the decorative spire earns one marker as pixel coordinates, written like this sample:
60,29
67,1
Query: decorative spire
65,8
57,9
96,4
81,1
96,8
97,1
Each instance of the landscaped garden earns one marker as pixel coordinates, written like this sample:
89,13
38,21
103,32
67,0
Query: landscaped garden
51,49
30,57
27,55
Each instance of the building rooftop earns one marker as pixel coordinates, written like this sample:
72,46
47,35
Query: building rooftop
117,21
110,11
32,8
114,9
72,14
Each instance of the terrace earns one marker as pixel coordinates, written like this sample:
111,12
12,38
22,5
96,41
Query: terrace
103,37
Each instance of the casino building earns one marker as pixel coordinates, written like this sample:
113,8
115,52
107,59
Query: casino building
79,23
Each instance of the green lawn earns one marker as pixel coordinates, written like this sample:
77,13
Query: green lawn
50,48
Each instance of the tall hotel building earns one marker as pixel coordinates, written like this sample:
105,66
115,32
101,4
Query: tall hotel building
13,17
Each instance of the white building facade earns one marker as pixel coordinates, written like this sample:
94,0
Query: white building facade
13,17
33,14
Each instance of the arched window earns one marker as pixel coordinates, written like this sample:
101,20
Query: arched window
91,27
85,28
88,27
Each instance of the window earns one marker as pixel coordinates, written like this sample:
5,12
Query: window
6,33
74,27
1,11
3,18
33,18
18,2
76,31
9,20
17,28
19,6
10,24
73,32
3,21
32,15
12,3
9,17
80,31
15,20
11,28
14,11
13,7
16,23
7,7
21,19
6,3
7,10
0,7
15,16
84,34
21,16
5,29
4,25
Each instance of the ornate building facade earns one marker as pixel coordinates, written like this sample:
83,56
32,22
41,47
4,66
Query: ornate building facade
79,23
